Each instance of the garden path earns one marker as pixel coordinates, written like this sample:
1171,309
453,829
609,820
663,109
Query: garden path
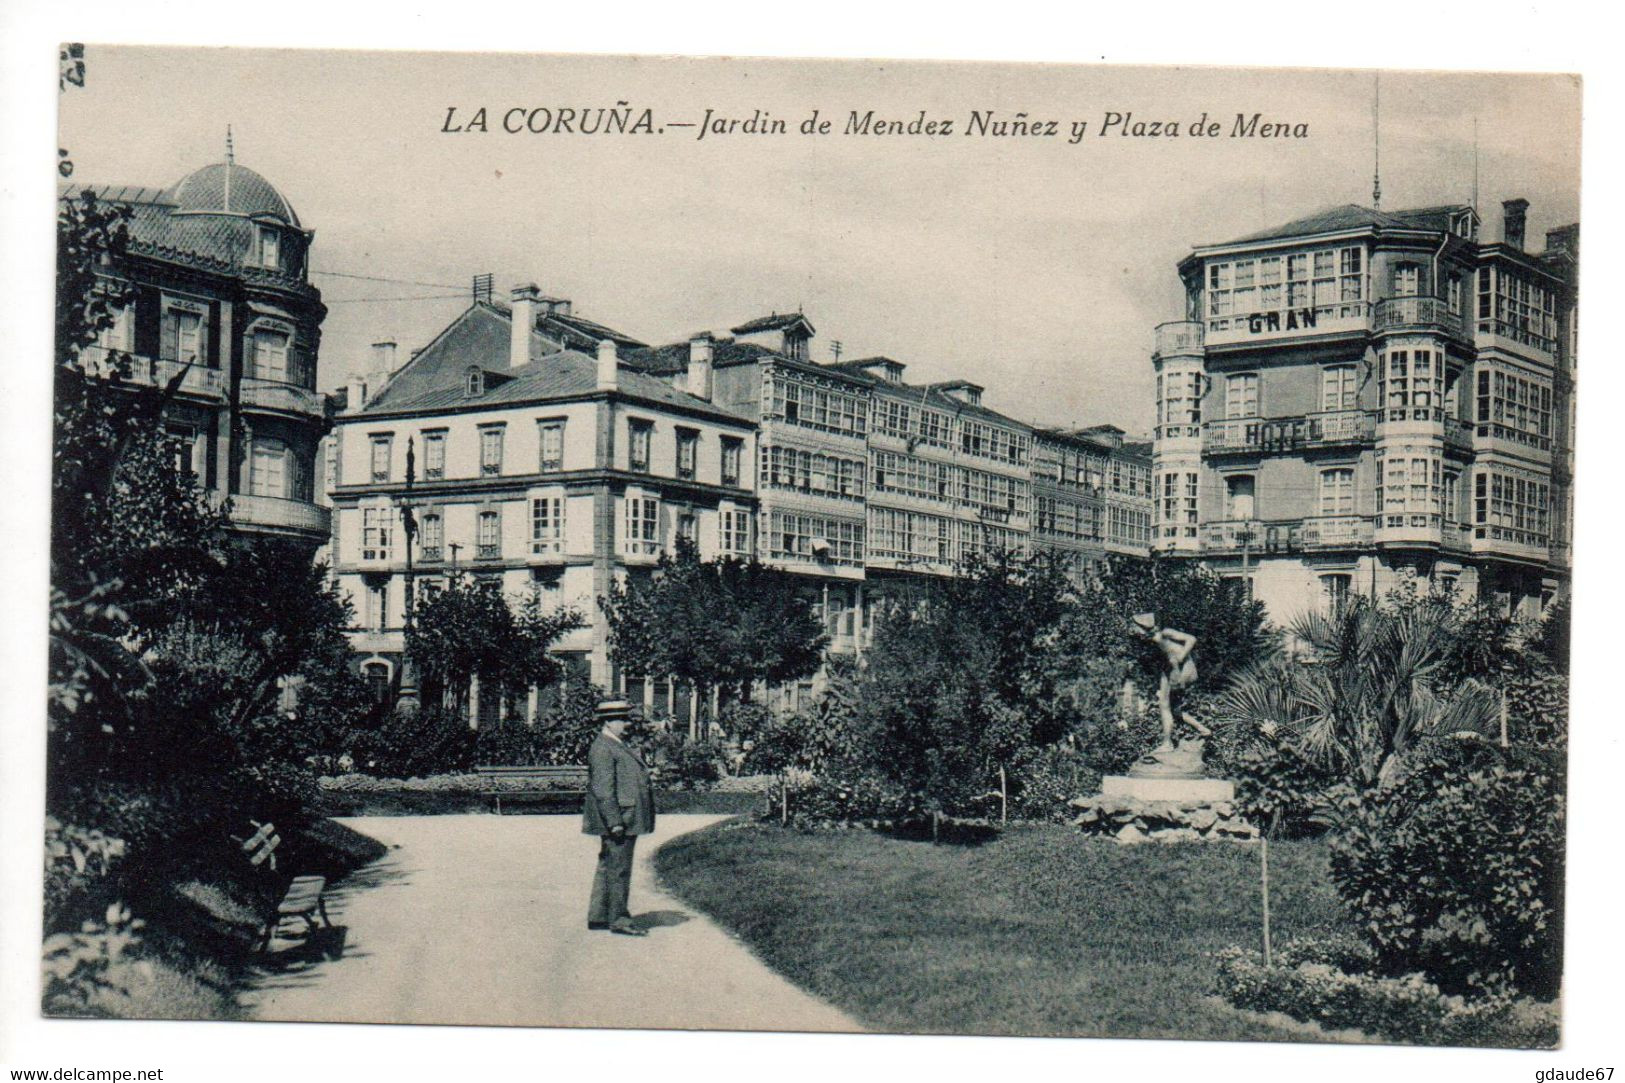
482,920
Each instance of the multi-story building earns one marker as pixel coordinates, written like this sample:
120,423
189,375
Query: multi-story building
1091,495
536,465
1358,398
812,469
950,478
217,266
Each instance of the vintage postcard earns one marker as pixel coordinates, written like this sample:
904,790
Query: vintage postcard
811,545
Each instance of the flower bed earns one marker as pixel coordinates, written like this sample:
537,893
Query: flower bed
1328,983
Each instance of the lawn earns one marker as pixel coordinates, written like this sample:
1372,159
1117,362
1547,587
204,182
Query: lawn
1039,931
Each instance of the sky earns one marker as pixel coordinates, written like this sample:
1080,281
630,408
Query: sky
1031,265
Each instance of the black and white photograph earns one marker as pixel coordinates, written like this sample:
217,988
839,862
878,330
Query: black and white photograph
835,546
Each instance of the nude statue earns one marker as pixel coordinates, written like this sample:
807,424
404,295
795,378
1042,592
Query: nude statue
1179,673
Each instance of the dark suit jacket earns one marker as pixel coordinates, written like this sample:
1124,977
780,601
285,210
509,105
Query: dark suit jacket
617,790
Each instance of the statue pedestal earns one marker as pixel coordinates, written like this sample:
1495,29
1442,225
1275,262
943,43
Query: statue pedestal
1170,774
1203,790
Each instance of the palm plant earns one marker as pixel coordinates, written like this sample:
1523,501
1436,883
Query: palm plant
1360,689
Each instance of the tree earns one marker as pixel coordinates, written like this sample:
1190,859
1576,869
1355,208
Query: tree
964,676
470,630
1369,684
724,623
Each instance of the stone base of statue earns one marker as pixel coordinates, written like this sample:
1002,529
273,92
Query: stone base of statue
1169,774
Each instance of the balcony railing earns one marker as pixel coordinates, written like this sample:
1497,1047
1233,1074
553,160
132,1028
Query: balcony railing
280,395
156,372
1233,535
1331,428
1336,531
1522,335
279,513
1340,317
1178,337
1418,313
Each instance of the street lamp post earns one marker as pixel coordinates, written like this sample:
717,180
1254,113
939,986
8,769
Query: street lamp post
408,702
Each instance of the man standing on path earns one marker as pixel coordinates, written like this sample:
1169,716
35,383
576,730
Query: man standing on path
619,808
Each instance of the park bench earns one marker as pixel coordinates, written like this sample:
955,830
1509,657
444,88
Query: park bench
302,898
538,782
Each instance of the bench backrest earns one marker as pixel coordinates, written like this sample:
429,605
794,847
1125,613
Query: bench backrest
560,772
260,847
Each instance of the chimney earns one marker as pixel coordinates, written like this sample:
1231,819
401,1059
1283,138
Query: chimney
525,299
383,360
561,306
700,352
609,370
356,395
1513,214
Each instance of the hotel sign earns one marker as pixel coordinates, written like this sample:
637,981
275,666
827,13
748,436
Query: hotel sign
1296,319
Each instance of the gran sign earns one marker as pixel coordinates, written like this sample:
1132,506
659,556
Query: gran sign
1295,318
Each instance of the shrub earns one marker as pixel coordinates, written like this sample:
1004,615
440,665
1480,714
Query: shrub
431,741
1046,779
1313,984
1457,871
825,803
1112,747
1276,787
687,765
76,964
76,858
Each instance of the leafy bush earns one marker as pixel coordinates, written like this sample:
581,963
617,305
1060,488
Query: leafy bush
1046,779
76,964
1112,747
1316,984
1538,710
76,858
431,741
1457,870
823,803
688,765
1278,789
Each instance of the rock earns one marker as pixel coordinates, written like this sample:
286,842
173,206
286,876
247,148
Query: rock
1130,835
1178,834
1203,818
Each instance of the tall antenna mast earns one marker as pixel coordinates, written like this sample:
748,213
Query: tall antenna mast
1475,167
1376,142
230,154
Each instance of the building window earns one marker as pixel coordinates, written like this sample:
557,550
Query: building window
270,356
687,529
474,382
377,678
120,335
815,538
431,536
488,535
491,449
1338,390
434,454
1336,588
183,336
268,468
1407,280
1452,495
735,527
688,449
733,453
1337,492
817,407
551,435
377,533
642,525
1238,496
381,457
1330,280
1241,395
378,606
637,450
547,524
270,248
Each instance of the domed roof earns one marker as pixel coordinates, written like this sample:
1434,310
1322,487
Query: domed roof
229,188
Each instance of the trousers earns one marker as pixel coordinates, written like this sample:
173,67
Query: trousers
612,883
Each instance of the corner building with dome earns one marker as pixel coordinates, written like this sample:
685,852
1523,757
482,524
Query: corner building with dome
219,265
